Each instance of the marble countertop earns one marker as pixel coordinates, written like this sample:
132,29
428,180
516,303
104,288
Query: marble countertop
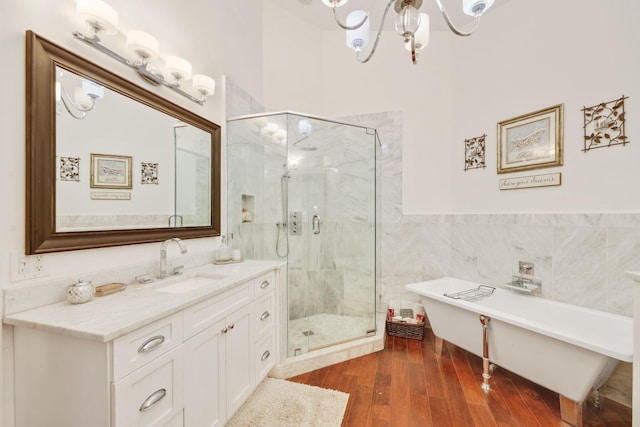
108,317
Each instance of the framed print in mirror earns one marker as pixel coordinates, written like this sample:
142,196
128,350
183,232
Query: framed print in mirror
531,141
110,171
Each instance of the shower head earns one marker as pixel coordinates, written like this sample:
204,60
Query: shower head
304,147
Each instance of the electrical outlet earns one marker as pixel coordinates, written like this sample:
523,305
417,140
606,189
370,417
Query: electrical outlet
38,265
25,267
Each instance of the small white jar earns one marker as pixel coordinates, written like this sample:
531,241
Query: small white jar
80,292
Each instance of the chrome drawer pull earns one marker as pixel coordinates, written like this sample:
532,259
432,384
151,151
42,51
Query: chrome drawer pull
224,331
264,284
265,356
265,315
231,326
153,399
151,343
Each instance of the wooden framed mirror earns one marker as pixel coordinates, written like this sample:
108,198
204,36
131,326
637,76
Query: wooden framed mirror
87,185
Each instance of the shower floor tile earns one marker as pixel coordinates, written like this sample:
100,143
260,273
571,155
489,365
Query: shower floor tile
321,330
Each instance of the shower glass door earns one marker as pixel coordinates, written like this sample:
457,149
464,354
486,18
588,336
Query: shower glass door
330,179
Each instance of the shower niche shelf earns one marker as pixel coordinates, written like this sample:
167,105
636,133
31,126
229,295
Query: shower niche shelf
248,208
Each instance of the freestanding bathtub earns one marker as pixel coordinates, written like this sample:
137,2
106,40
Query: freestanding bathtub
565,348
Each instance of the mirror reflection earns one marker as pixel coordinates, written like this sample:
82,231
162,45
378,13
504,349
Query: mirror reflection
124,165
109,162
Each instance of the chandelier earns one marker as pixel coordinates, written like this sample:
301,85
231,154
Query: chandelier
411,24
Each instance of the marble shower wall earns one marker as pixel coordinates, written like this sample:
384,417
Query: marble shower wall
331,273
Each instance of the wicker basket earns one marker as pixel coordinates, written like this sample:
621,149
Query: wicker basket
405,330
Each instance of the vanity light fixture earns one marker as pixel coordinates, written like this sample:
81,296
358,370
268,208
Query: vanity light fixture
410,24
102,19
84,98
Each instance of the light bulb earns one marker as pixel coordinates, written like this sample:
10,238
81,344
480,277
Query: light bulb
82,100
335,3
476,7
204,84
101,17
178,67
144,45
358,38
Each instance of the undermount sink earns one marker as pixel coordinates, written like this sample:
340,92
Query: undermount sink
192,283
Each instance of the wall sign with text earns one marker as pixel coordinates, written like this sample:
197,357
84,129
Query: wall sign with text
532,181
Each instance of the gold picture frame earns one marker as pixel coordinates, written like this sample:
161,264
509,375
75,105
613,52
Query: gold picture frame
110,171
531,141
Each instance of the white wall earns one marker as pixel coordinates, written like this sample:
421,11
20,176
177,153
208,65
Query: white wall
531,55
526,55
219,38
293,62
390,82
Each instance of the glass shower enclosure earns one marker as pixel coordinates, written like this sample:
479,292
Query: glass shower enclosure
303,189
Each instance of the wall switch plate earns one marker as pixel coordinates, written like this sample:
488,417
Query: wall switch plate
25,267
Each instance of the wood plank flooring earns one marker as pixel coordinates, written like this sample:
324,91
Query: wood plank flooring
407,384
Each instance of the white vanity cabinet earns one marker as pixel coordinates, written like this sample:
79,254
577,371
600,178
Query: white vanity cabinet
194,368
218,365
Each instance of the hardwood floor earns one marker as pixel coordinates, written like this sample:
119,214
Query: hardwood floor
407,384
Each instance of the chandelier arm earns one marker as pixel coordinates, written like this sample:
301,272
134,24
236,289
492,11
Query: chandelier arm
349,27
82,115
68,100
378,36
414,56
453,27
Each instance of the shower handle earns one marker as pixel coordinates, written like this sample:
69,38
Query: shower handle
316,224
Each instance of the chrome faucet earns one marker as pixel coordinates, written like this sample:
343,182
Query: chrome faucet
163,254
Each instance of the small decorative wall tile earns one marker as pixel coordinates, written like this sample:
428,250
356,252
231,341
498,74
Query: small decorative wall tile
70,169
149,172
604,124
474,153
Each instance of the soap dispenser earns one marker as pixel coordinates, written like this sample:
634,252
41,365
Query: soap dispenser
224,252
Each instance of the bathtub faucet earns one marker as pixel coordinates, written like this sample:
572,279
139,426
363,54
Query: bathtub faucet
522,283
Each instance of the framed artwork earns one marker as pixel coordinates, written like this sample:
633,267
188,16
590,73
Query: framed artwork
110,171
531,141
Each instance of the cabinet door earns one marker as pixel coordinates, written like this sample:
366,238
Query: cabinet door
240,373
205,378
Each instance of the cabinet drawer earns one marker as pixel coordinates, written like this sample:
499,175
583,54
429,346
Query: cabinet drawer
264,313
143,345
202,315
265,283
152,395
265,355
